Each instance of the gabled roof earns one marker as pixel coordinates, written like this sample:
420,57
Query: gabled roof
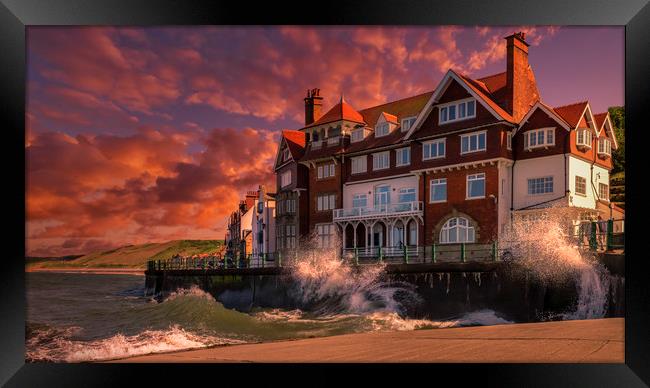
406,107
389,118
341,111
572,113
479,89
295,141
549,111
603,121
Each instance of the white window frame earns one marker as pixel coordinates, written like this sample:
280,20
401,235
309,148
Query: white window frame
358,197
447,107
383,156
325,202
509,140
286,178
447,227
600,191
407,191
357,135
324,232
604,146
575,180
326,171
533,134
429,144
408,120
475,177
384,125
285,154
359,164
399,156
584,143
543,184
469,142
435,183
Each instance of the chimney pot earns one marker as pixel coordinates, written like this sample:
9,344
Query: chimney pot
313,106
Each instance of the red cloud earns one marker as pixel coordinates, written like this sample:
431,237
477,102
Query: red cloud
143,187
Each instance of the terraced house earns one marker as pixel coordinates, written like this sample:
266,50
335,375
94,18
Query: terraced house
453,165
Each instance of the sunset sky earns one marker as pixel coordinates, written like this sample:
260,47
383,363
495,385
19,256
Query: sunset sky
140,135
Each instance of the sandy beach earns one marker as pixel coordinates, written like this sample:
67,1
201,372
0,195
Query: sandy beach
90,270
585,341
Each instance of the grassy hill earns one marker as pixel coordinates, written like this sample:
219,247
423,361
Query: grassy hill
129,256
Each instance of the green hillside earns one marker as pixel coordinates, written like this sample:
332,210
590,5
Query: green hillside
130,256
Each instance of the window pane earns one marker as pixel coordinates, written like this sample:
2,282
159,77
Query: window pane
470,108
465,144
472,143
441,148
452,112
443,114
481,141
461,110
550,136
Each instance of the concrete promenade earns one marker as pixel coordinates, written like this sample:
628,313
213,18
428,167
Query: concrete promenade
587,341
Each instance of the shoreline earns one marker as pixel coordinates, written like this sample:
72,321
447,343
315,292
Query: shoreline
580,341
90,270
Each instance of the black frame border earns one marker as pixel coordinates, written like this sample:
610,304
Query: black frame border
15,15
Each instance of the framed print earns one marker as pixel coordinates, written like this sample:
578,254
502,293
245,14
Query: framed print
372,187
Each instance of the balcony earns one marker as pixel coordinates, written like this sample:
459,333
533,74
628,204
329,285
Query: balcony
381,211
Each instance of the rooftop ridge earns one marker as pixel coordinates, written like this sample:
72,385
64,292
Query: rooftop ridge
572,104
394,101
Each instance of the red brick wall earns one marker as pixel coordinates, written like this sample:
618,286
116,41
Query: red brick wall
481,211
323,186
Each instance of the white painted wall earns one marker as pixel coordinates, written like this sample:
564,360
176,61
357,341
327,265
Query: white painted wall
537,168
583,168
267,217
350,189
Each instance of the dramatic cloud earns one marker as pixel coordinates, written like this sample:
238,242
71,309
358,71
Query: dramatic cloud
149,134
111,190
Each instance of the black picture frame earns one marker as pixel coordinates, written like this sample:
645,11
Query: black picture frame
15,15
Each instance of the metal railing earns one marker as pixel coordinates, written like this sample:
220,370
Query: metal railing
604,235
354,256
379,210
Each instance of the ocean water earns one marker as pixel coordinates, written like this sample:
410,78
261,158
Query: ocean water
91,317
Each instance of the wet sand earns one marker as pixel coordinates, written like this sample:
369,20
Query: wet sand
586,341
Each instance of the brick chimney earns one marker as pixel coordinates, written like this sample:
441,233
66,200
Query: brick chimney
251,196
313,106
521,87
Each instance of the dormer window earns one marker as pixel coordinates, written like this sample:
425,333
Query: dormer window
604,147
381,129
583,138
285,154
457,110
537,138
407,123
357,135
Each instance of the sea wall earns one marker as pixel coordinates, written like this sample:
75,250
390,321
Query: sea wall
516,296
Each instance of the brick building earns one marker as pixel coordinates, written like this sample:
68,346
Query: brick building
452,165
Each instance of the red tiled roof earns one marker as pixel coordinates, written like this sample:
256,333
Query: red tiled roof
494,82
483,92
295,142
600,119
389,117
571,113
406,107
340,111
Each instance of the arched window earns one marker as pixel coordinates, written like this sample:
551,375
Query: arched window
457,230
